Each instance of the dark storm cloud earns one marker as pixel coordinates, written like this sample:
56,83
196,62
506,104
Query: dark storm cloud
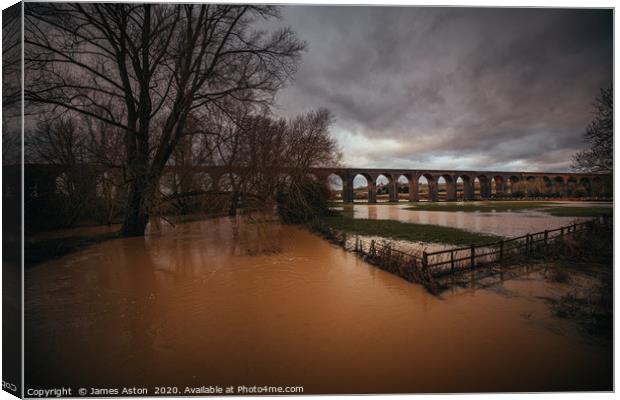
449,87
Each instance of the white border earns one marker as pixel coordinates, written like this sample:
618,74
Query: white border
471,3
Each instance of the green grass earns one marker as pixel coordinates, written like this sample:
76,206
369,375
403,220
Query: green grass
489,206
515,206
407,231
579,211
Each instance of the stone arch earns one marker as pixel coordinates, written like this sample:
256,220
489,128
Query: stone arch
498,185
464,188
548,185
227,181
313,177
168,183
386,185
572,185
483,187
370,193
559,186
403,186
532,186
446,190
411,186
513,185
597,186
105,186
586,185
348,194
284,179
335,186
63,185
476,185
202,181
427,187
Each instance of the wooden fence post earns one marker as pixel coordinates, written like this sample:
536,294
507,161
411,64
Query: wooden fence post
472,256
501,251
546,236
527,242
424,260
451,261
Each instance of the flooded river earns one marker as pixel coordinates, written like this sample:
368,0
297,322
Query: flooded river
508,224
228,302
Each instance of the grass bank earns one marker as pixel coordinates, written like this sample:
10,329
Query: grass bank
38,251
515,206
41,247
579,211
405,231
490,206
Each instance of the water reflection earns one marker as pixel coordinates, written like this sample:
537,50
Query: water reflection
227,302
508,224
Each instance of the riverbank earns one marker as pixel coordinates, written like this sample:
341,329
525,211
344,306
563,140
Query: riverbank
481,222
391,229
48,245
552,208
557,209
39,250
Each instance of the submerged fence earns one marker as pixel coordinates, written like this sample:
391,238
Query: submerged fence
423,267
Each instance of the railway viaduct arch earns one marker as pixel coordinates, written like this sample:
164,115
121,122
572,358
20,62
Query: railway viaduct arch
44,178
502,181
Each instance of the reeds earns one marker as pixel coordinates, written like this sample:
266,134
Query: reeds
405,265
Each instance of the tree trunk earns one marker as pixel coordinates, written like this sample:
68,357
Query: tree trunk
136,213
141,189
140,194
234,203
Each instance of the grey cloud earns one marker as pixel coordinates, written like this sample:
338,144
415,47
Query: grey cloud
470,87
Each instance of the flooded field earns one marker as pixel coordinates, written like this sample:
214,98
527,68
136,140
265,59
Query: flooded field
231,302
509,224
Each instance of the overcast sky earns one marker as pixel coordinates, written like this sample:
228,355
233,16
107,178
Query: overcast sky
410,87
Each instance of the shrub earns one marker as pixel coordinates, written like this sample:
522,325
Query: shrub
301,202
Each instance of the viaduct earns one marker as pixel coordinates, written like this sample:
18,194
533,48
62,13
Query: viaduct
42,180
556,182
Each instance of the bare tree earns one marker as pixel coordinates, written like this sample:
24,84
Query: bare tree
58,142
11,57
11,85
185,183
130,65
228,127
599,136
270,157
308,144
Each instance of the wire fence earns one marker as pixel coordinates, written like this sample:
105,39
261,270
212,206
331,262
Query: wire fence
423,266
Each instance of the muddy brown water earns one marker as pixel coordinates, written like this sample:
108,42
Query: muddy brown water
227,302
